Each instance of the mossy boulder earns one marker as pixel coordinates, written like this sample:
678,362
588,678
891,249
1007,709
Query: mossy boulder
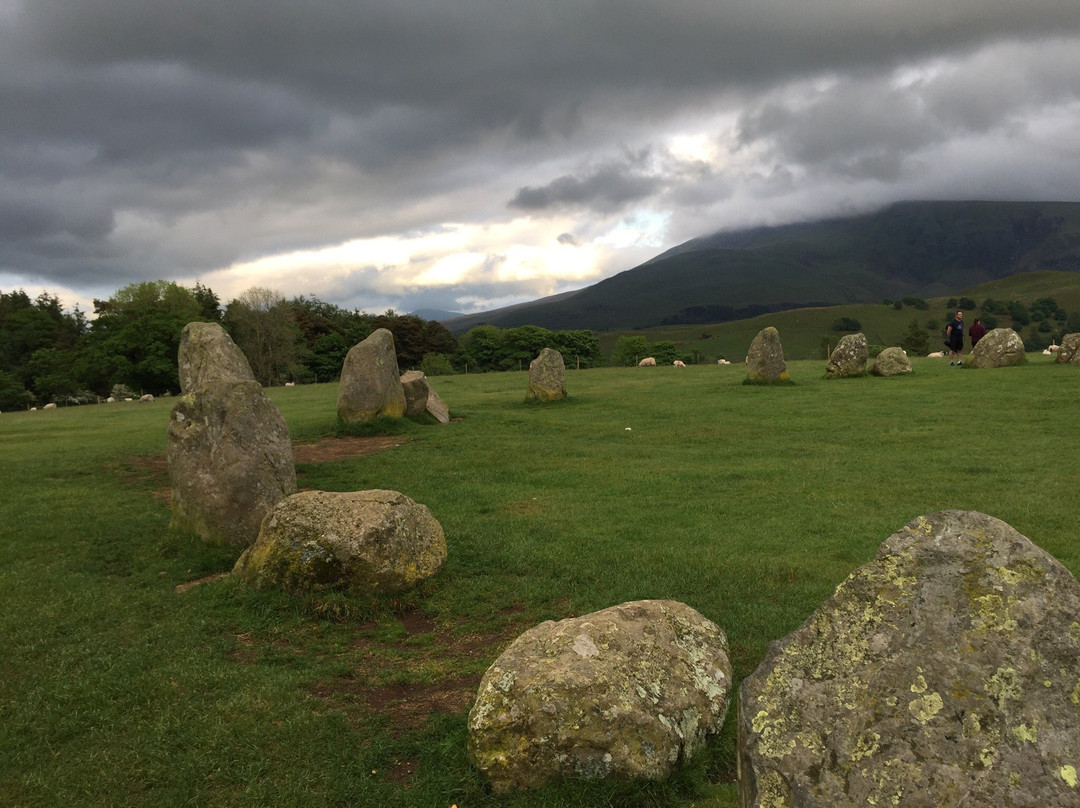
368,542
1069,352
891,362
1000,348
547,377
944,673
848,358
230,460
207,354
370,384
627,692
765,359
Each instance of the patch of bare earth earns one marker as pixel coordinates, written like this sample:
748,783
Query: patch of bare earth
408,706
155,469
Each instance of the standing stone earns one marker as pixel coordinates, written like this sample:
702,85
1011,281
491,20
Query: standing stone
230,460
1000,348
364,541
848,358
1069,353
547,377
946,672
765,359
627,692
370,382
207,354
414,385
891,362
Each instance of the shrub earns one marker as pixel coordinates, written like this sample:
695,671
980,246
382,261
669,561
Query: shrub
122,391
846,324
965,303
436,364
873,350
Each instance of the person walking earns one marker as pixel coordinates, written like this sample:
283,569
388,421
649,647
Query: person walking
976,332
955,333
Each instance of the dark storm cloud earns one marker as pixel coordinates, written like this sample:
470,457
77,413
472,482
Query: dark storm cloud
151,138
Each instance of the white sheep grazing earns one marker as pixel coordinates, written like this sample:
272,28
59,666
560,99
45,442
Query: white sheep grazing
1053,348
936,355
147,399
1046,352
722,362
647,362
290,384
679,363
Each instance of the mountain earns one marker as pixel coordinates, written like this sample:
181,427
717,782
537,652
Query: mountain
919,249
438,315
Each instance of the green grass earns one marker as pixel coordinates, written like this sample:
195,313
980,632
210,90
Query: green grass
749,503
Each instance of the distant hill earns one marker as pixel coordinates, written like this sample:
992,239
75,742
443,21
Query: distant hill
439,315
923,249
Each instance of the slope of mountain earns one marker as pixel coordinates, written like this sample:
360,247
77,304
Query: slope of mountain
921,249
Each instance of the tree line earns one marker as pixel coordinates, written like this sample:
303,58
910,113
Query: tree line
129,346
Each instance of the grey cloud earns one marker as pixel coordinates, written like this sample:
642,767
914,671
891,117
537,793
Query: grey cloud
568,238
164,138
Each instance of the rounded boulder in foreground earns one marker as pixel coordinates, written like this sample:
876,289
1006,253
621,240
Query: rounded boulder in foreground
946,672
364,541
627,692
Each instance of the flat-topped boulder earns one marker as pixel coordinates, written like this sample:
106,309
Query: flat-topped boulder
946,672
631,691
848,357
370,384
369,542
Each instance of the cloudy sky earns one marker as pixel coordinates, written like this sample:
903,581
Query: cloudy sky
467,154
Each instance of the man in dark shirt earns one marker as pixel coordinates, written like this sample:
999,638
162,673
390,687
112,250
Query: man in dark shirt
955,333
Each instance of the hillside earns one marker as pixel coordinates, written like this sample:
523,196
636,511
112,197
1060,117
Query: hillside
925,249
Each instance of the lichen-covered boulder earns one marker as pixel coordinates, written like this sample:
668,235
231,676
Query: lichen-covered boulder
414,385
627,692
547,377
765,358
891,362
207,354
1000,348
944,673
848,358
368,542
1069,352
230,460
370,383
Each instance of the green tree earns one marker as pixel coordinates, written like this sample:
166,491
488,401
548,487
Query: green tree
665,351
480,348
136,336
630,349
915,341
578,346
846,324
261,323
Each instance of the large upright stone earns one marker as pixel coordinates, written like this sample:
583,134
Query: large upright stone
207,354
765,358
891,362
547,377
999,348
1069,353
363,541
848,358
631,691
230,460
370,382
944,673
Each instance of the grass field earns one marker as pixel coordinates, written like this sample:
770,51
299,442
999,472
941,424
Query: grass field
748,503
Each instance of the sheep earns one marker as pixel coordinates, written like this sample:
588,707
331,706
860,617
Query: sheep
147,399
936,355
647,362
290,384
679,363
